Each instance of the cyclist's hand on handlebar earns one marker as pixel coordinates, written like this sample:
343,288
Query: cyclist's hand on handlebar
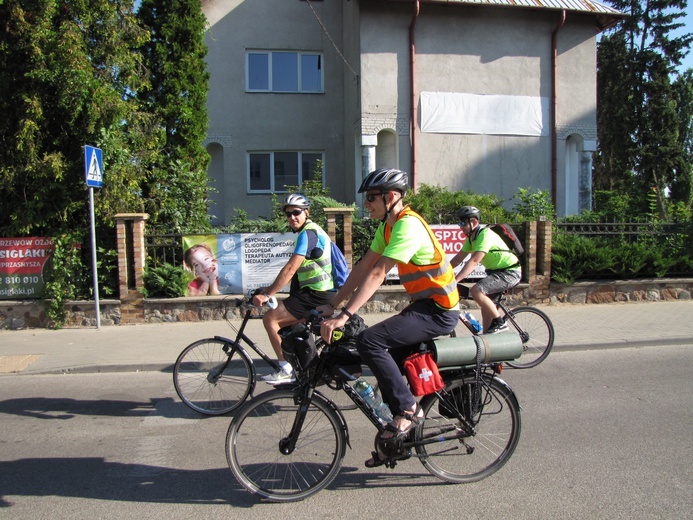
330,324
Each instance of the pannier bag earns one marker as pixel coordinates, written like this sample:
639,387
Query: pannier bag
344,358
422,373
298,346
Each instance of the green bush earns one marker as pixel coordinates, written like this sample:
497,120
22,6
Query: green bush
166,281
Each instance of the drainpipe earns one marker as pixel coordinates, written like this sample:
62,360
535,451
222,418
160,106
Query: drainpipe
414,117
554,107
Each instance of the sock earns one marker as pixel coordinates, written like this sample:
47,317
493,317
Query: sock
286,367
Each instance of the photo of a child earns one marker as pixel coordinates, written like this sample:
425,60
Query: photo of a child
200,259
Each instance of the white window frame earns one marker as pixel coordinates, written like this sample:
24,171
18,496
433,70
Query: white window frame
280,189
299,55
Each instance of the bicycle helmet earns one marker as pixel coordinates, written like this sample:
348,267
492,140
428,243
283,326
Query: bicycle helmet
467,212
296,199
385,179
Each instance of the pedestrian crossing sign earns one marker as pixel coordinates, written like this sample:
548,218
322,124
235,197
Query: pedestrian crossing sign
93,166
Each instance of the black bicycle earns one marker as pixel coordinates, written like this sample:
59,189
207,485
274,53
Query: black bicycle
533,326
287,444
214,376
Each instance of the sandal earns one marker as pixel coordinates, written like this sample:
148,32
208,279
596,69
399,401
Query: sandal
413,418
374,461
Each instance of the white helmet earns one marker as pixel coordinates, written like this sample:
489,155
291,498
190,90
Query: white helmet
296,199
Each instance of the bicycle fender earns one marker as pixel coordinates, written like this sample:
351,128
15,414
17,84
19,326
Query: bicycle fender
332,405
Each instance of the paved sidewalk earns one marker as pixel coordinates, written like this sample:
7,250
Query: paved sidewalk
156,346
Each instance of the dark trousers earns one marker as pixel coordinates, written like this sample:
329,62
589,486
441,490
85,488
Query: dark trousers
420,321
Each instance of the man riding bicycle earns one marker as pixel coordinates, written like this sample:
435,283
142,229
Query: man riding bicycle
502,266
309,271
404,239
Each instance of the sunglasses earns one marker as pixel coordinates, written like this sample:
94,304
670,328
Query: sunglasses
294,213
464,222
370,197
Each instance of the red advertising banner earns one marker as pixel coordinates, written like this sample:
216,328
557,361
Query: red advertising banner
21,266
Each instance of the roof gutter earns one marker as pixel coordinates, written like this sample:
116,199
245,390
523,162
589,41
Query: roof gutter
412,83
554,106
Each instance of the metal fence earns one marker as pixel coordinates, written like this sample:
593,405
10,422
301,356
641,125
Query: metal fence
164,249
628,230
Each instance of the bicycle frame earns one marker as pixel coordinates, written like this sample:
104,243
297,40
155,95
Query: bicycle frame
236,346
308,385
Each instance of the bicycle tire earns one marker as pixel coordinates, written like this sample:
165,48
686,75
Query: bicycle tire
253,447
537,333
480,454
193,377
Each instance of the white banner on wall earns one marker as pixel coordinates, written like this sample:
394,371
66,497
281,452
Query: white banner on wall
455,113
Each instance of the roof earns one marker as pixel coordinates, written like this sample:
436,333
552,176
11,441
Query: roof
606,16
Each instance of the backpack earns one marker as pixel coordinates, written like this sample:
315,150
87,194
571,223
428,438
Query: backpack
340,268
506,232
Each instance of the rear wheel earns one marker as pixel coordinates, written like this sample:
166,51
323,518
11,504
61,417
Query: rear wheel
467,451
536,330
208,381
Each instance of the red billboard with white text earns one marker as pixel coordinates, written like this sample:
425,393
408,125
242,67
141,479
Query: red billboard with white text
21,266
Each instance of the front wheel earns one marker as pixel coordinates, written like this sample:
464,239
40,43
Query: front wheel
536,330
211,381
257,446
469,432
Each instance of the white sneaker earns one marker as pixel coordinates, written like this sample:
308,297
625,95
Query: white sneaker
279,377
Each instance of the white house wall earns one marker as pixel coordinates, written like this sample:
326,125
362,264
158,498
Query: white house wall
459,49
478,51
242,121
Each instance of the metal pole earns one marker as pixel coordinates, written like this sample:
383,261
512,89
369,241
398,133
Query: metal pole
93,259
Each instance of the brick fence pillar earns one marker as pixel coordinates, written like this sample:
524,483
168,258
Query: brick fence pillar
540,279
347,217
131,260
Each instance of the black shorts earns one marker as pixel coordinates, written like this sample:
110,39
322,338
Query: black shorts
299,304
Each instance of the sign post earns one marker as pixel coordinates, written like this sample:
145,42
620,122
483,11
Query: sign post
93,170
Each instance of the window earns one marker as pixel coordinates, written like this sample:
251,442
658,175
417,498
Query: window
279,71
270,172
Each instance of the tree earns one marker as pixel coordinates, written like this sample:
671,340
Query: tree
67,70
640,149
176,190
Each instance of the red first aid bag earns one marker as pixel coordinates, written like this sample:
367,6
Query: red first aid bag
423,374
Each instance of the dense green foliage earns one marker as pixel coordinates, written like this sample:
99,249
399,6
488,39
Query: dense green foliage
176,189
645,107
166,281
67,69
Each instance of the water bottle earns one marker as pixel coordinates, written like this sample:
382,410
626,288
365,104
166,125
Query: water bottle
365,390
472,320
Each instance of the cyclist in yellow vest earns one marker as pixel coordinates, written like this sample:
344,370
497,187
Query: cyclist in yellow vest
310,272
503,271
403,239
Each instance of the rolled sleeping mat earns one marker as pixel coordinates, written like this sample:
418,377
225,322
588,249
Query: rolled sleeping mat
495,348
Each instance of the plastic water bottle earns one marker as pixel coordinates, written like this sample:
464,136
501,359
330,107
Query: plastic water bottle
473,321
365,390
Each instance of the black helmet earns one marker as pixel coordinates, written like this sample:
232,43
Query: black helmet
296,199
467,212
385,179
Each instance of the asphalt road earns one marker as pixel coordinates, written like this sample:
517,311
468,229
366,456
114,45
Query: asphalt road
605,434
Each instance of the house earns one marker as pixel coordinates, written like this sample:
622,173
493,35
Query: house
482,96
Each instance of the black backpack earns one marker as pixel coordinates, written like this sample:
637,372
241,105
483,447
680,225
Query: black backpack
507,233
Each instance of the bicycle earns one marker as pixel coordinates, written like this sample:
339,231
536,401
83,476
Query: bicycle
289,443
533,326
214,376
